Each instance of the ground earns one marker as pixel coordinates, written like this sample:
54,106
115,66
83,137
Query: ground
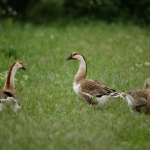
52,115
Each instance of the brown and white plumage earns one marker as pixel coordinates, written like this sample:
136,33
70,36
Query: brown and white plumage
87,89
138,100
8,95
146,83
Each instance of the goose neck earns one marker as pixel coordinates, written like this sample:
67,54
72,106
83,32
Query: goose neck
81,74
9,84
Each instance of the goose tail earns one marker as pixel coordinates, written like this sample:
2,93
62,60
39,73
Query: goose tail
123,95
116,95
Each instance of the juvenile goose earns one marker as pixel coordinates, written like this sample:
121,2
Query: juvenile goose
86,89
146,83
138,100
8,96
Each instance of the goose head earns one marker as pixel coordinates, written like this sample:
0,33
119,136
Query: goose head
76,56
18,65
9,84
81,74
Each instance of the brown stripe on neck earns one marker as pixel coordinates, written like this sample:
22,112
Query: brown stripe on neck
85,62
83,58
7,84
81,74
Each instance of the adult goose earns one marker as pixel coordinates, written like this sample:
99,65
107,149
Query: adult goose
8,95
138,101
87,89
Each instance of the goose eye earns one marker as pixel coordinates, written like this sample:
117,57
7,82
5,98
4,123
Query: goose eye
75,54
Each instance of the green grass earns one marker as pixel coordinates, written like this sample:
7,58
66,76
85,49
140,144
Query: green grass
52,115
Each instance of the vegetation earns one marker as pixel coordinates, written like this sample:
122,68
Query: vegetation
52,115
47,11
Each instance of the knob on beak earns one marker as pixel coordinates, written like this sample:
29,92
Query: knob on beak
70,57
23,68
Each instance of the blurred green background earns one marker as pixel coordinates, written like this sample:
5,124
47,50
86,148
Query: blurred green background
114,37
47,11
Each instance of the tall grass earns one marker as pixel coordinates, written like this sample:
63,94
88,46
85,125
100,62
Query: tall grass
52,115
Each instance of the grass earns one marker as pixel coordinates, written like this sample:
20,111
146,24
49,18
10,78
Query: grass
52,115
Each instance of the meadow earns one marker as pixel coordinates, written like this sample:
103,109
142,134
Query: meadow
52,115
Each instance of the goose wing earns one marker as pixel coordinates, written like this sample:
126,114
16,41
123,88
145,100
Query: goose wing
93,87
4,94
140,97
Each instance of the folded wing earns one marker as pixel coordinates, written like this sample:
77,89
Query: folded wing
4,94
93,87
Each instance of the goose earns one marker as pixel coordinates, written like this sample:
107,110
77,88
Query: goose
87,89
138,101
8,95
146,83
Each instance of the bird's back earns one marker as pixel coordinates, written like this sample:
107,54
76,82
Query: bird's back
7,93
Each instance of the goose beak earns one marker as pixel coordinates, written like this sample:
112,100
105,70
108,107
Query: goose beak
23,68
70,57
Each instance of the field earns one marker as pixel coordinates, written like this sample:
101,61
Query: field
52,115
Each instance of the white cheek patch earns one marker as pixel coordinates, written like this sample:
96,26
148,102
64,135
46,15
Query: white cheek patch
78,57
18,65
81,61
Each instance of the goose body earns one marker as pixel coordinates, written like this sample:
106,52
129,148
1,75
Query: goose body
8,95
87,89
146,83
138,101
